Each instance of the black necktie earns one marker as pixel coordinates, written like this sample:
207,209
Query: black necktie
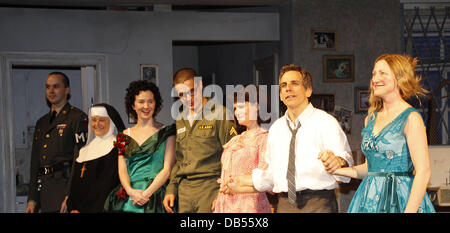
52,116
290,175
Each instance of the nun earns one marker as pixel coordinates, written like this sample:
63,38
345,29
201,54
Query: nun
94,172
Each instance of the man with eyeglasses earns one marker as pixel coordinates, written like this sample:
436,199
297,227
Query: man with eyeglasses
200,137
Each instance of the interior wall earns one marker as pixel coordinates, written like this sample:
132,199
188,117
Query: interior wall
126,39
365,29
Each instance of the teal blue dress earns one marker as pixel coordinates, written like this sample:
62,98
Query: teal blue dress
144,162
388,184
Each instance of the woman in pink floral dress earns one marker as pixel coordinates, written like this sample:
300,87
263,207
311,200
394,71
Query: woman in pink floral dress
240,156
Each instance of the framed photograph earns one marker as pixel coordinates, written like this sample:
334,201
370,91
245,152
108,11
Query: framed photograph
131,120
338,68
323,39
344,117
361,99
323,101
150,73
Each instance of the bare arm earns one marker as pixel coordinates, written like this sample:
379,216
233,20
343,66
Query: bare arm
135,194
163,175
123,174
239,184
417,144
356,172
244,183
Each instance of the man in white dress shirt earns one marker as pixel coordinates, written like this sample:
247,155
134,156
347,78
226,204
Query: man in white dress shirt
319,138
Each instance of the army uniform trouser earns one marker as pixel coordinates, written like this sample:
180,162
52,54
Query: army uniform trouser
197,195
53,191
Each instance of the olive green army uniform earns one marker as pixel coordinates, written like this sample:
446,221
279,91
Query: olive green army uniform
198,151
54,145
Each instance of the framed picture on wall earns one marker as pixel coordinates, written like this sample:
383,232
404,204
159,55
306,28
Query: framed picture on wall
338,68
150,73
131,120
344,117
323,101
323,39
361,99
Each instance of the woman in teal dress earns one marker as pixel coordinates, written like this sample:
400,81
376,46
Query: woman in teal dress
394,142
146,154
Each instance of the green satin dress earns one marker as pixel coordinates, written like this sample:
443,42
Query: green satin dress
144,163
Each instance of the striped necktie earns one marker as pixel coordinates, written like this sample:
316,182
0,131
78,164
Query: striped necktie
290,175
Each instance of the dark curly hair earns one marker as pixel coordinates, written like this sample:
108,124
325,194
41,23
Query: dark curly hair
260,99
134,89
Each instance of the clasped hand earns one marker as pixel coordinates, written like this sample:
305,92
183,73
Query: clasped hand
330,161
231,185
138,197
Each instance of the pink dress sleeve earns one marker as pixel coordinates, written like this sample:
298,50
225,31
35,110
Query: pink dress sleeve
240,157
262,141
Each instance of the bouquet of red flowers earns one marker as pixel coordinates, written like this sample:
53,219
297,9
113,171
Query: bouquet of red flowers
122,194
121,143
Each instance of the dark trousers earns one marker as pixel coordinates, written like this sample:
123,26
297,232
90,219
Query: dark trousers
309,201
54,186
53,191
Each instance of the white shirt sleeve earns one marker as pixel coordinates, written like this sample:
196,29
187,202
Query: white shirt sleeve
263,179
334,139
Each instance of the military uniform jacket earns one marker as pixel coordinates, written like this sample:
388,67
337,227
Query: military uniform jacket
199,148
56,142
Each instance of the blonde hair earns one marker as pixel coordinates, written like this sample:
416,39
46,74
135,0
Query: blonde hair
408,83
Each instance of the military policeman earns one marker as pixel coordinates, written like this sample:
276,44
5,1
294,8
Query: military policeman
201,134
57,136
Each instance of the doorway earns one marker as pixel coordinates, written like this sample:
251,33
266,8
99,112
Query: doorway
22,102
225,63
29,105
265,72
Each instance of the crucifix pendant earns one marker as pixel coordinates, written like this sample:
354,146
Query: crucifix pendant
82,170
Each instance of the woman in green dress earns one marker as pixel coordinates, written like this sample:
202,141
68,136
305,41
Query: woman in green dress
146,154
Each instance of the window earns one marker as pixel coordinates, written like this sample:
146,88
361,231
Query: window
426,35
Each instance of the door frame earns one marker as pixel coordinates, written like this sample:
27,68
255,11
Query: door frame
7,144
273,59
